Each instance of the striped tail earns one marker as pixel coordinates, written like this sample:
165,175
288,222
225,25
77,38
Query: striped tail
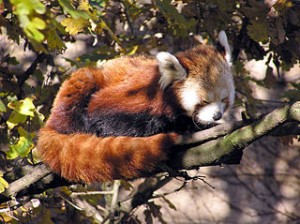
88,158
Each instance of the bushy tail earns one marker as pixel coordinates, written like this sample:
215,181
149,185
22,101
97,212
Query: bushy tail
88,158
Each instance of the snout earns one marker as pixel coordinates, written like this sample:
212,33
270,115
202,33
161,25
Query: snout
210,113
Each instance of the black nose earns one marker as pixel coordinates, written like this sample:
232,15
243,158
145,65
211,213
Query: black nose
217,116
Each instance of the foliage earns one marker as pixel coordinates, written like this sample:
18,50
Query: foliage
114,28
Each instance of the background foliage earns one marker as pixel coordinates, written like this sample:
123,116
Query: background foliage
256,30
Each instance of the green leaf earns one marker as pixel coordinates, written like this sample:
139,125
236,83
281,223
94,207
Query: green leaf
39,7
22,9
2,106
14,119
24,107
40,117
32,29
54,41
21,109
23,146
38,23
24,20
33,32
178,23
26,12
69,8
28,6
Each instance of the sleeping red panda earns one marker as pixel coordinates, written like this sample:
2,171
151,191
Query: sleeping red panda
120,120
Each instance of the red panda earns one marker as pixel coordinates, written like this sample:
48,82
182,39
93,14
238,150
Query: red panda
120,120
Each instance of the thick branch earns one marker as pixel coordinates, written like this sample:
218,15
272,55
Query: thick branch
216,151
40,179
220,142
37,173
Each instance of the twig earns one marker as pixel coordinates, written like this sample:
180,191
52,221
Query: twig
146,190
29,71
114,200
71,203
171,192
75,194
127,18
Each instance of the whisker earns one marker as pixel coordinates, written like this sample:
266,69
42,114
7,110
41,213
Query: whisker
194,121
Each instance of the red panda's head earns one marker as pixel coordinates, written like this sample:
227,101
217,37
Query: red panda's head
202,80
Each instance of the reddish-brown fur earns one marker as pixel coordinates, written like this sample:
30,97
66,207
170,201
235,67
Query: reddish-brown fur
85,157
124,85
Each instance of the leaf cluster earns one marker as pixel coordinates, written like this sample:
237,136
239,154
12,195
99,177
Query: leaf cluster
256,29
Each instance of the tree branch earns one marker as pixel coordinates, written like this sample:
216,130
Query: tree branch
220,142
216,152
37,181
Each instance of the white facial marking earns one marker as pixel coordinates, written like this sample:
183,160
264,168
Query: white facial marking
189,100
206,114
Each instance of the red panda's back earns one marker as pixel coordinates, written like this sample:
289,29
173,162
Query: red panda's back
131,84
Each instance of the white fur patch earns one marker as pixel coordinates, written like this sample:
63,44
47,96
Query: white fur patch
224,42
170,69
206,114
189,100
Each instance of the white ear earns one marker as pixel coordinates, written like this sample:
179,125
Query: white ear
224,42
170,69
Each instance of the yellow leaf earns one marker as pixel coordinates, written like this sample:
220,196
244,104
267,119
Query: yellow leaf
25,107
14,119
2,106
84,6
3,183
133,50
282,5
6,218
74,26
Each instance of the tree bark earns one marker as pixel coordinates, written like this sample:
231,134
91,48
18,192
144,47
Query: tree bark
216,152
213,147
